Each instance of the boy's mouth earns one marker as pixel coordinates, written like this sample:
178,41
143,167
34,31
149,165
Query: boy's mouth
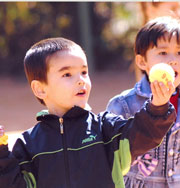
176,74
81,92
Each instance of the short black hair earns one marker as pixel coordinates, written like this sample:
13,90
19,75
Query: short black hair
155,29
36,58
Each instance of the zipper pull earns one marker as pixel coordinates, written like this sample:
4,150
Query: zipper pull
61,125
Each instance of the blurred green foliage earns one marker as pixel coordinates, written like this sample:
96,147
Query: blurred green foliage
118,24
113,29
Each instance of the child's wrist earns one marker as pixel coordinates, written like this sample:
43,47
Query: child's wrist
158,110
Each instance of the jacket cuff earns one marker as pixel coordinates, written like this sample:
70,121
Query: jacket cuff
4,152
159,110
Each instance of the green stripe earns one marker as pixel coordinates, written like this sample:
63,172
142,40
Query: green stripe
43,153
30,179
113,138
101,142
71,149
76,149
121,164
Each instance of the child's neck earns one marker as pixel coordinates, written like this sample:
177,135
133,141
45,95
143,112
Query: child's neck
58,112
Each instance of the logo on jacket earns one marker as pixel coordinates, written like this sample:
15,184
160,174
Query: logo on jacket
89,139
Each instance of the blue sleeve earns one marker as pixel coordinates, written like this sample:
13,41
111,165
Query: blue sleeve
115,106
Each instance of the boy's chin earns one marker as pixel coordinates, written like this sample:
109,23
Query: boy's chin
87,107
84,106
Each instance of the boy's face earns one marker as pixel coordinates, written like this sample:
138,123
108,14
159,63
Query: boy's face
165,52
68,82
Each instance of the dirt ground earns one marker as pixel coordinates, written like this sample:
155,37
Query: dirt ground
18,106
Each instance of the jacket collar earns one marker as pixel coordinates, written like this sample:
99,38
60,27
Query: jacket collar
75,111
142,88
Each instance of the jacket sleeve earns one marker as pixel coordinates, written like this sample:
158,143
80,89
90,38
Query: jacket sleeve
148,127
137,135
10,172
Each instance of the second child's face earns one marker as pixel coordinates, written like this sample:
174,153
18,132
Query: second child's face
165,52
68,82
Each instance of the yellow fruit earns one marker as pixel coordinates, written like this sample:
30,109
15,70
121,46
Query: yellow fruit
162,72
4,140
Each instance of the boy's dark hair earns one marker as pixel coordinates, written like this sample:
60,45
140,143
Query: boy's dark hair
155,29
36,58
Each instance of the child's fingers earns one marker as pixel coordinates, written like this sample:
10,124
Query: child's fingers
153,88
3,137
163,91
157,89
168,90
4,140
171,87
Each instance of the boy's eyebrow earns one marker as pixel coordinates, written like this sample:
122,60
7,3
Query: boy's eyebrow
164,47
64,68
70,67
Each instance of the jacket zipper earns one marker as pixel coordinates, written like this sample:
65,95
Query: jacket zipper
166,154
61,125
65,152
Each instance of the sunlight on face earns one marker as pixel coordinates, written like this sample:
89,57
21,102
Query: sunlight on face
165,52
68,81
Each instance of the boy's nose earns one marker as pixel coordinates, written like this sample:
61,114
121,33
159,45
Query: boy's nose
172,63
81,81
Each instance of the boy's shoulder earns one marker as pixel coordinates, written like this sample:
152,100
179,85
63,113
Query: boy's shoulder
123,95
141,88
138,94
31,132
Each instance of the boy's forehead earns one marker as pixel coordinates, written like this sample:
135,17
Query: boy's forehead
66,58
168,37
74,52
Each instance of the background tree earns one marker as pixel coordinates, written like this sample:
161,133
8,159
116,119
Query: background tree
111,31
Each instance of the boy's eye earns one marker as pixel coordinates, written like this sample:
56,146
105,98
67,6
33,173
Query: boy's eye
67,75
178,53
84,72
163,53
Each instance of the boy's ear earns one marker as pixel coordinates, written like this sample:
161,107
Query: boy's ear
141,62
38,89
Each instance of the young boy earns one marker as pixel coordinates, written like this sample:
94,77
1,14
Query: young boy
158,41
70,147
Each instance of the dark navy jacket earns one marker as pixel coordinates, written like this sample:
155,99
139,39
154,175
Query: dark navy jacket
81,149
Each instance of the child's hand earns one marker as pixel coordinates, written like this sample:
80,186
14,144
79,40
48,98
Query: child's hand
3,137
161,93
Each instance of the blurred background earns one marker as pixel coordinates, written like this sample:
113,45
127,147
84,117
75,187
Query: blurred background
105,30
